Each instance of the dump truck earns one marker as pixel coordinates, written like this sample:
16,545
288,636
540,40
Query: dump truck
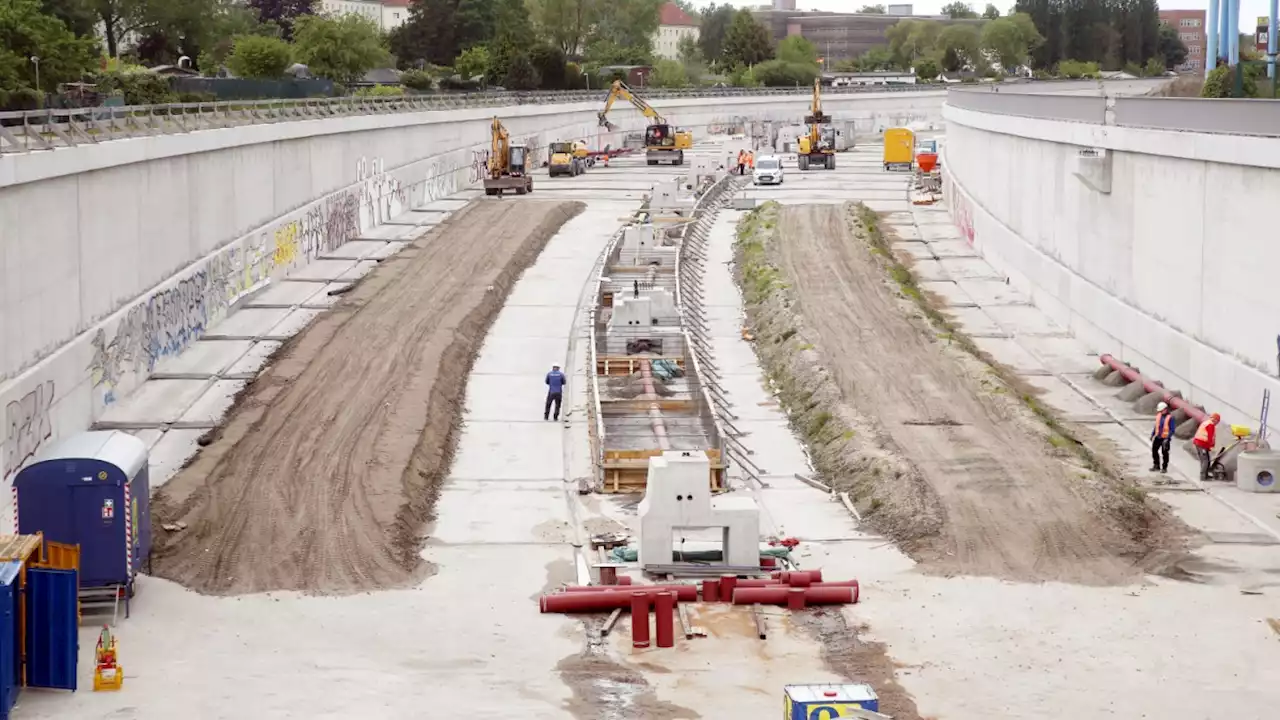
818,145
662,142
564,160
508,164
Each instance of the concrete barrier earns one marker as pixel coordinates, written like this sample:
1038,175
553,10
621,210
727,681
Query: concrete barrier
1169,268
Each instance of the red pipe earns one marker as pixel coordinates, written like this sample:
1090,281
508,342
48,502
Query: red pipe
710,591
688,593
785,575
603,599
624,579
812,596
768,561
799,580
639,620
664,604
795,598
837,583
727,584
758,582
1150,386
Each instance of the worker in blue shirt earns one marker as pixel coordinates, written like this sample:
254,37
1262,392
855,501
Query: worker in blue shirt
555,390
1161,437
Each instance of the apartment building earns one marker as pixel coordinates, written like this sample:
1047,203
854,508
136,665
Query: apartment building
386,14
1190,25
840,36
674,25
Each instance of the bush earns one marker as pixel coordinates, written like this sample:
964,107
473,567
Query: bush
1221,83
380,91
197,97
257,56
743,76
138,88
927,70
669,74
521,75
780,73
1155,67
1074,69
23,98
549,62
417,80
457,83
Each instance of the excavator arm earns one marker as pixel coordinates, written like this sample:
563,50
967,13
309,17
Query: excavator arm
620,90
499,149
816,117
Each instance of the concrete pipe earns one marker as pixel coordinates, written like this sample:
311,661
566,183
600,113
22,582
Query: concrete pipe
812,595
1196,414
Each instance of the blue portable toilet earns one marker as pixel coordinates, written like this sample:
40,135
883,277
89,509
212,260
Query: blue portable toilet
92,490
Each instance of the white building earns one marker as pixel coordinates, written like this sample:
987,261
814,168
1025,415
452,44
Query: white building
674,25
386,14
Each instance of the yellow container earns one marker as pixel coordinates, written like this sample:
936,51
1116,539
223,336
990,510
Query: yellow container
899,149
1241,431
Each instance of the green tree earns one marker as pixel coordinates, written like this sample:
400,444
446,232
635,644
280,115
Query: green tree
438,30
957,47
747,41
1171,48
282,12
910,40
779,73
341,48
927,69
77,15
511,38
1010,40
872,10
959,11
628,24
549,61
713,29
27,32
796,49
669,74
991,13
690,53
255,56
473,62
565,23
521,75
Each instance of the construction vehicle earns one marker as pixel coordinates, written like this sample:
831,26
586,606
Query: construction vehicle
508,164
662,143
818,145
564,160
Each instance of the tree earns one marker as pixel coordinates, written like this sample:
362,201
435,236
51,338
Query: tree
872,10
1110,32
628,24
438,30
341,48
28,31
779,73
255,56
912,39
991,13
927,70
521,75
565,23
511,38
691,59
957,47
796,49
959,11
747,41
549,61
472,62
231,22
668,74
283,12
1171,48
713,28
77,15
1007,39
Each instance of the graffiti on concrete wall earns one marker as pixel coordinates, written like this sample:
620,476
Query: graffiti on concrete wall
381,194
27,425
727,126
961,210
479,165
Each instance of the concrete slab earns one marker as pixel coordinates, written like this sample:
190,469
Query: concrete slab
171,452
930,271
255,358
1024,320
545,290
948,292
1206,514
970,269
975,321
1072,406
155,402
776,448
952,249
1060,354
988,292
213,404
510,451
250,322
493,398
533,322
488,515
1009,353
323,270
205,357
294,322
443,205
362,268
284,294
1105,396
354,250
913,250
322,298
150,436
804,512
941,232
531,357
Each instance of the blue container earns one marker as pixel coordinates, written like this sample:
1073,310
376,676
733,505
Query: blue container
53,616
91,490
10,641
827,702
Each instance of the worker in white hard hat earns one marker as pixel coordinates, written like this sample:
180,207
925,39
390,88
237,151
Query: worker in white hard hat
1161,437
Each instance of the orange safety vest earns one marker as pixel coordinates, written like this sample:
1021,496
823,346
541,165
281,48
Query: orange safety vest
1202,433
1163,420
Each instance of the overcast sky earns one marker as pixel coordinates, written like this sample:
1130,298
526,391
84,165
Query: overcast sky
1250,10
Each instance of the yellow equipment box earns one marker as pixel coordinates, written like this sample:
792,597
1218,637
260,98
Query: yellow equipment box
899,149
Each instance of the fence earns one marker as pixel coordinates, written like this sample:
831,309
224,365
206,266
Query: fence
251,89
32,130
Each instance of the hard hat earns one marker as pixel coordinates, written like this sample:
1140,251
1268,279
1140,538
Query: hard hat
1215,417
1162,407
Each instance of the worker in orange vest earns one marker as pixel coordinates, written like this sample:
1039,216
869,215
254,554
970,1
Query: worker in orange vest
1161,437
1206,438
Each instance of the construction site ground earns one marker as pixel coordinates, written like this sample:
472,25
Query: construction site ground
468,639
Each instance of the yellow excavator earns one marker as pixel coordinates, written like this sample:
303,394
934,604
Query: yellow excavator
507,164
818,146
662,143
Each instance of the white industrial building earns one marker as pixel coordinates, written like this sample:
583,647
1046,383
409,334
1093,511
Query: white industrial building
387,14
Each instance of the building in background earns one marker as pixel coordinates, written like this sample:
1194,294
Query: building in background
1190,25
840,36
899,10
784,4
674,25
1260,35
386,14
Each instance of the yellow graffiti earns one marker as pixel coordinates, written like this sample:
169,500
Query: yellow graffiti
286,244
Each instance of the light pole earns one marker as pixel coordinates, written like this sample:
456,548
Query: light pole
35,60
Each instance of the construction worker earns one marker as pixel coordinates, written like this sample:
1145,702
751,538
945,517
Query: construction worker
1206,438
1161,437
751,160
742,162
555,393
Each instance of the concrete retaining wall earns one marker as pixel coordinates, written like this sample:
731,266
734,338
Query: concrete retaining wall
120,254
1172,270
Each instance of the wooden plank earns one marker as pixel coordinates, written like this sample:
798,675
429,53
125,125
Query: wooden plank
684,621
759,619
613,620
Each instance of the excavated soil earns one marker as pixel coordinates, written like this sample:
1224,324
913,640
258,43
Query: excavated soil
941,454
324,473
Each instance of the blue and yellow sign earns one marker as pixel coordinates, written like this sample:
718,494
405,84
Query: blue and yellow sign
828,702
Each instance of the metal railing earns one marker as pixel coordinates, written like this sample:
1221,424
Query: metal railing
32,130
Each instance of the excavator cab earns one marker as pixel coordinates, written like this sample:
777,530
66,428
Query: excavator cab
517,159
659,136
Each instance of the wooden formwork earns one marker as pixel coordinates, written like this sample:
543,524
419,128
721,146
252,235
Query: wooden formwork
627,471
622,365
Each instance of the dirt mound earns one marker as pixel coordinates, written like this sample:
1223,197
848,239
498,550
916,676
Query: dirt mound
934,445
323,474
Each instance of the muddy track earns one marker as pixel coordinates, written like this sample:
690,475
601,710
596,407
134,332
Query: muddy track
1010,509
324,472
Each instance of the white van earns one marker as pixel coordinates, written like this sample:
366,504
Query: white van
768,170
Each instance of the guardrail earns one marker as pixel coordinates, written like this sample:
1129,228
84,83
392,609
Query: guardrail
34,130
1259,118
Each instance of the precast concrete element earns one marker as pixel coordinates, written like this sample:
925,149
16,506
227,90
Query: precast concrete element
1170,270
676,497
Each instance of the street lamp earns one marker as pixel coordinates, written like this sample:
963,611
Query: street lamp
35,60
